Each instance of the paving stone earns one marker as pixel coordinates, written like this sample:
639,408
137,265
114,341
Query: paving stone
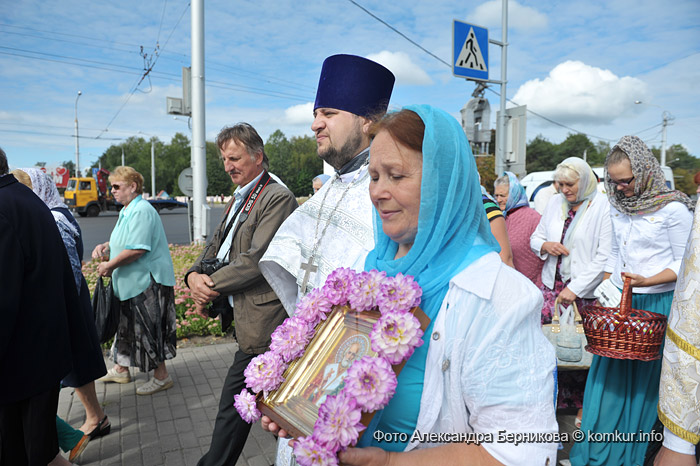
174,427
166,428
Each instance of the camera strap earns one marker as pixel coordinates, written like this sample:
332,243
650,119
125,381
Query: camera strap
246,206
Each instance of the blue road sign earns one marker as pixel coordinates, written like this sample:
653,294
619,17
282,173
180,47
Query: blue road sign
470,51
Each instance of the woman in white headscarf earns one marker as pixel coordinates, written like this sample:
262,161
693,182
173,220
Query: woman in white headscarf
574,239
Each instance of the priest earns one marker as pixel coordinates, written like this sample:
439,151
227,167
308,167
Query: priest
334,228
679,390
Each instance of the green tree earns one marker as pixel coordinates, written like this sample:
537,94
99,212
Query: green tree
69,165
487,170
295,161
575,145
278,153
218,181
541,155
602,148
684,167
170,161
306,163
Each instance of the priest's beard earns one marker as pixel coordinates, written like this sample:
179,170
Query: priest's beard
336,158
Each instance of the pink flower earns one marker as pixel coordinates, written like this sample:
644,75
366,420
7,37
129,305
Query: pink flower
338,424
289,340
310,453
246,407
264,372
337,286
399,293
313,307
372,383
365,289
396,335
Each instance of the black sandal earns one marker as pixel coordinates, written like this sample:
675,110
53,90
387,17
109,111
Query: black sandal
102,429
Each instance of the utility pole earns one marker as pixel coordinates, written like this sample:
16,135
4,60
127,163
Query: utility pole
665,116
123,156
501,123
153,170
198,158
77,148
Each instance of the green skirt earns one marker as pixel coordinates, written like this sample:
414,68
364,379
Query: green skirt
621,396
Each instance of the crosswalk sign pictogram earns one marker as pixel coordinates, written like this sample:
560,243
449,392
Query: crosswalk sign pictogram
470,53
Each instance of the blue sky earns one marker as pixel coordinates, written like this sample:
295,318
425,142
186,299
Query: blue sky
581,64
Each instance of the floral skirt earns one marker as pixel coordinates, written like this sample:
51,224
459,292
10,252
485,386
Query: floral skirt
571,384
146,336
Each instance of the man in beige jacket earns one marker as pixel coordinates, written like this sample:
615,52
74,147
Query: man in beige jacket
227,274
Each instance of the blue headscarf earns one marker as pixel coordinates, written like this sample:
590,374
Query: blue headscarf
517,197
452,229
452,233
322,178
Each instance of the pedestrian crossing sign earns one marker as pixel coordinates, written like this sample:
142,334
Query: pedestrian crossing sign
470,51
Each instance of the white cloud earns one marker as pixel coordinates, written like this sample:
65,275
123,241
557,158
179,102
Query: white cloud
578,93
404,69
519,16
301,114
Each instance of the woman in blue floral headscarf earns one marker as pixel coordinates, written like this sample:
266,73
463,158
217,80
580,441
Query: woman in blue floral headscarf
485,365
521,221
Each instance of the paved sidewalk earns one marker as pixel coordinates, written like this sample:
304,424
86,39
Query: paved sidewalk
174,427
170,428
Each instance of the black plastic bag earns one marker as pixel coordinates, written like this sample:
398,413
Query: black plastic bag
107,310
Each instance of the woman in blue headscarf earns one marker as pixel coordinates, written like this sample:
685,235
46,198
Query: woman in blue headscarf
485,365
521,221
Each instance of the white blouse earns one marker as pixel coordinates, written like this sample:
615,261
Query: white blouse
489,367
647,244
590,249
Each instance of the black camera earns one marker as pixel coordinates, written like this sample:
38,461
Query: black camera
220,305
209,266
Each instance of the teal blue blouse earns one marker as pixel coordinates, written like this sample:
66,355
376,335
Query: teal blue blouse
139,227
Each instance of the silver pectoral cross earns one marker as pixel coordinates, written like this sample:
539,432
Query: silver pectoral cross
309,268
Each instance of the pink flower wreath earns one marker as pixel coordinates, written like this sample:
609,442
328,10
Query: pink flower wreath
370,381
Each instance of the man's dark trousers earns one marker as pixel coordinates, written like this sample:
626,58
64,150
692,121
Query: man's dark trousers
230,430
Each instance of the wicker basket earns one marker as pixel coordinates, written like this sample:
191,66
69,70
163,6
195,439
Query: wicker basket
624,333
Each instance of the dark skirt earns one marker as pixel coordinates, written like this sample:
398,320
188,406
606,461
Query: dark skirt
88,362
146,336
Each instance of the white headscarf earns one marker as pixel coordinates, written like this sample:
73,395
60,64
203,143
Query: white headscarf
44,187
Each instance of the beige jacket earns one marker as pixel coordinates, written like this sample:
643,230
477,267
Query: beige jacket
256,309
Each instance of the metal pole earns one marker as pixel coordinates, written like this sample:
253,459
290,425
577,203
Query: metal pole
501,123
77,148
198,160
665,118
153,170
123,156
663,138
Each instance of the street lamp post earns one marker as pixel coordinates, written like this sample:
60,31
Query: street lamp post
665,117
77,147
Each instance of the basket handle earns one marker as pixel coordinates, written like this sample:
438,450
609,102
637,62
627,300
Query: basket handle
578,321
626,301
